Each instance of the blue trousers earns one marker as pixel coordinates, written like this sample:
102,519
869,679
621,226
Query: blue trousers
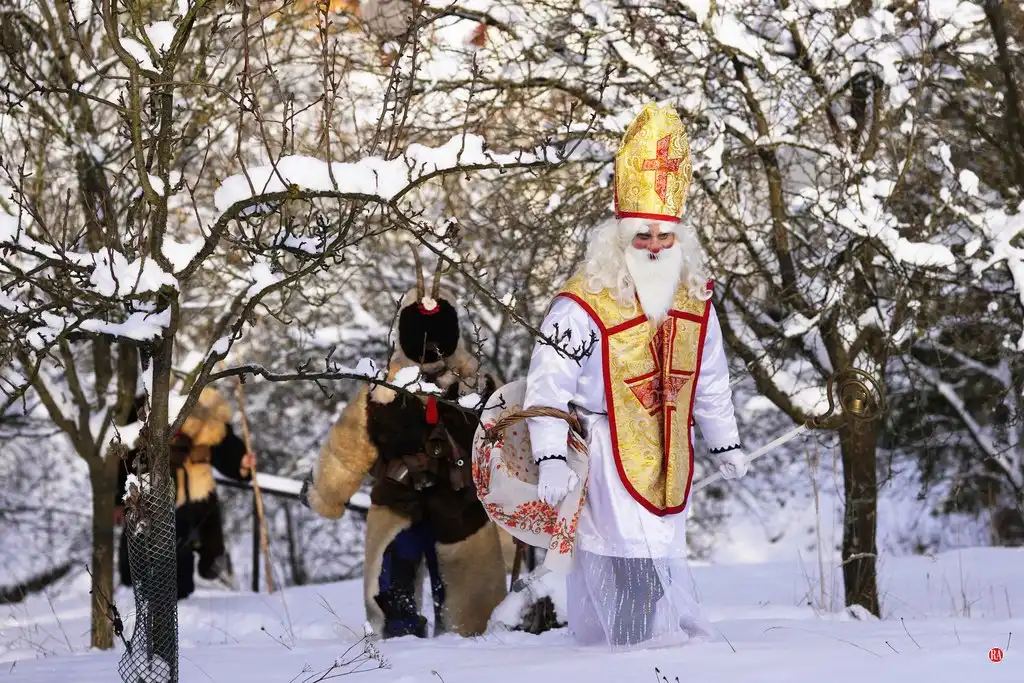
397,582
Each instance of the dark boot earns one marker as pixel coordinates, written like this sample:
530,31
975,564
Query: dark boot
214,561
400,617
540,617
397,585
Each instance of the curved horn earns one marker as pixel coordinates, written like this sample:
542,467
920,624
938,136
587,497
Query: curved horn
420,290
442,267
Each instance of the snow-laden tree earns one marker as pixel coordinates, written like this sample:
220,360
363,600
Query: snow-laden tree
157,206
162,198
963,367
40,512
811,126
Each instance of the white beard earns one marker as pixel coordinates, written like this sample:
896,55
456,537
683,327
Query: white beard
656,280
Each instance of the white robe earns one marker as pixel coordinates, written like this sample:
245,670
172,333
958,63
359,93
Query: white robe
602,586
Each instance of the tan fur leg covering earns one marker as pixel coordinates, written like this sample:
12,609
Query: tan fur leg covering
201,483
508,549
345,460
382,525
474,575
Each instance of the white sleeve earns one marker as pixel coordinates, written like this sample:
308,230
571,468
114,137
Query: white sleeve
552,379
712,406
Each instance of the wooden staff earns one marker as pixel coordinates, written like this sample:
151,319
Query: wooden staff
240,394
517,563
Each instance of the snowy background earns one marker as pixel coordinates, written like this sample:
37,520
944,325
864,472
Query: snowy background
944,615
786,509
192,191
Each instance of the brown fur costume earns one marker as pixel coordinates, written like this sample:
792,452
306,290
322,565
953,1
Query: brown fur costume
205,427
348,455
480,586
205,441
345,460
469,553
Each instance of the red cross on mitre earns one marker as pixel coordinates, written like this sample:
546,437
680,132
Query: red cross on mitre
663,166
657,389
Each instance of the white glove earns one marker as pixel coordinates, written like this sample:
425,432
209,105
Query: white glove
733,464
555,481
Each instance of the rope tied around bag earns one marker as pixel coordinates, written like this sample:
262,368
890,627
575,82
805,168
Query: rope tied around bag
497,430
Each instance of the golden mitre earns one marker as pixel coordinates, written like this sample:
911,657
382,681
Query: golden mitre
653,169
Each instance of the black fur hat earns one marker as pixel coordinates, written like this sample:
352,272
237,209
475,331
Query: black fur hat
427,336
428,327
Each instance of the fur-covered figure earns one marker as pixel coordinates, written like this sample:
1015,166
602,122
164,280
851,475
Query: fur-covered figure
425,517
204,442
346,458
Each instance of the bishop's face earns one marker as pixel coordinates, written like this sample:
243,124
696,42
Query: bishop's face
654,261
652,238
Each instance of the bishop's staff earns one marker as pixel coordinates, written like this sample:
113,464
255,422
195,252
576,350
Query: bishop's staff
860,397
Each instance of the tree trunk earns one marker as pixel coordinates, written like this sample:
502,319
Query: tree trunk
103,478
1014,117
858,444
160,512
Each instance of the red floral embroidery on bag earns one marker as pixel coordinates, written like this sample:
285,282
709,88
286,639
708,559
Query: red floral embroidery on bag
482,468
536,516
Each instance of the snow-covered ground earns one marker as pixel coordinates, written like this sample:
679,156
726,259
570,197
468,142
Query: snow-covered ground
943,616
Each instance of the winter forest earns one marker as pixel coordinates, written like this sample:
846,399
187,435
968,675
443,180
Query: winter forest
238,193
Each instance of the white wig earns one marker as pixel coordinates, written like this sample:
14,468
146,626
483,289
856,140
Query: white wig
605,265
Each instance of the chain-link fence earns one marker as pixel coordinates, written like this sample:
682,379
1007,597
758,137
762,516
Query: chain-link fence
152,652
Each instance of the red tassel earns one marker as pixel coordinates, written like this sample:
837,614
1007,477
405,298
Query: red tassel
431,410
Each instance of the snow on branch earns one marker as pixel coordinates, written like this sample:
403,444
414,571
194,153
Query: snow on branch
114,275
1008,462
102,282
386,179
793,385
13,236
110,273
862,210
1000,373
1001,231
139,325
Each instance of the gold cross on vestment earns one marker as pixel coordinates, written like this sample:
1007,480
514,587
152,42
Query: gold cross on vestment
659,388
